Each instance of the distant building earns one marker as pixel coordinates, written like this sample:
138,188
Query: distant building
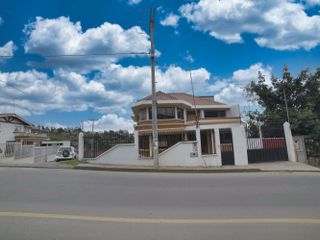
14,128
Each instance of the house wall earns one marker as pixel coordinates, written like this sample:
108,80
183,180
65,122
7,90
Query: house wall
179,155
7,131
234,111
122,154
239,145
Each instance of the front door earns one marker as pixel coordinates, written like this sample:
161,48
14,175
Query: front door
226,145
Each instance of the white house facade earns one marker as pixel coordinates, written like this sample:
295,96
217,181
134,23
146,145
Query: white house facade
192,131
14,128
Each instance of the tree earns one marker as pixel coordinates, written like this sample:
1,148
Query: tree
302,94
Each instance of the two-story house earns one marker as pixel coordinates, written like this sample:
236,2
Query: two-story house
14,128
180,116
192,131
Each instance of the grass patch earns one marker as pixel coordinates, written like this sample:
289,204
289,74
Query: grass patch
72,162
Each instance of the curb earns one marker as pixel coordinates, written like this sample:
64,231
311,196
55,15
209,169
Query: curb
166,170
161,170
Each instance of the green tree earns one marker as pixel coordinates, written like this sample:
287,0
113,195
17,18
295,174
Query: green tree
303,100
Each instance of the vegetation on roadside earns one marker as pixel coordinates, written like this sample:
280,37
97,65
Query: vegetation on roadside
72,162
302,94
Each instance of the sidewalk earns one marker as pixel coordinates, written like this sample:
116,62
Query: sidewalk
257,167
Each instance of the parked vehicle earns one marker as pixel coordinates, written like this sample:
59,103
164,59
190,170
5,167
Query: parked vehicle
66,153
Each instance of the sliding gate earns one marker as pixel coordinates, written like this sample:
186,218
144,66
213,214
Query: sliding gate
266,145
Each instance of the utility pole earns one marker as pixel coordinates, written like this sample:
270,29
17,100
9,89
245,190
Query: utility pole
154,97
286,103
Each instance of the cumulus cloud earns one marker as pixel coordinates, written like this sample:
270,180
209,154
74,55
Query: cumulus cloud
109,122
170,20
114,89
231,90
65,91
278,24
136,81
60,36
7,50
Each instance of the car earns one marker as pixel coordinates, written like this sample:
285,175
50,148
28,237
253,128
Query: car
66,153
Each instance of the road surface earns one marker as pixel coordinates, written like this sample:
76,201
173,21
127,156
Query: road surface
72,204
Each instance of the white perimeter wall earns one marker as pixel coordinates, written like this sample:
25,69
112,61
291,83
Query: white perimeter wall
122,154
239,145
179,155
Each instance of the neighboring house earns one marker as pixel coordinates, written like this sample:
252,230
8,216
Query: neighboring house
192,131
14,128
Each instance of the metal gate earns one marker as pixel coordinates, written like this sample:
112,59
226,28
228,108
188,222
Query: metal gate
226,145
266,145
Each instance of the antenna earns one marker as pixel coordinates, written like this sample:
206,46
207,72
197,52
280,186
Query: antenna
194,102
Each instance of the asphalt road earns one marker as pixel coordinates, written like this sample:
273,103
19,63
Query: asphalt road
73,204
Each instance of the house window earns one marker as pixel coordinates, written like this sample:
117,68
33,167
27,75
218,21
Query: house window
18,129
214,113
208,142
191,115
143,114
164,113
180,113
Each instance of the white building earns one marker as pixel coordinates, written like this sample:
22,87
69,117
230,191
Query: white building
14,128
193,131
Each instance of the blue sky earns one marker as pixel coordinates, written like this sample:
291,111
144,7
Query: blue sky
224,43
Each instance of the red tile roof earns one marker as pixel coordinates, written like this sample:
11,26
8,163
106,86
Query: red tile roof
199,100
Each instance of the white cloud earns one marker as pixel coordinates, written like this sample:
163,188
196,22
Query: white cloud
109,122
231,90
245,76
278,24
7,50
65,91
136,81
189,58
233,94
312,2
60,36
133,2
170,20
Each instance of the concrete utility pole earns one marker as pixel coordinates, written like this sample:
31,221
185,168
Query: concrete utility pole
286,103
154,97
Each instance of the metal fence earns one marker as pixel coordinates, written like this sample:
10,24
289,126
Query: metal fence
268,145
97,143
312,147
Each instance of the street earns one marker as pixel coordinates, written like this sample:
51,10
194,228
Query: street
75,204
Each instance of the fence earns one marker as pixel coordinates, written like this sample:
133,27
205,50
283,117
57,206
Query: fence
269,146
97,143
313,151
7,149
17,151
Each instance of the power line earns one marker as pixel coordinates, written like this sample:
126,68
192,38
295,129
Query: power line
9,85
81,55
